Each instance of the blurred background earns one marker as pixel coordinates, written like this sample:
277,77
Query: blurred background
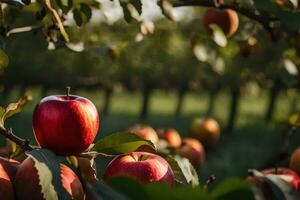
163,73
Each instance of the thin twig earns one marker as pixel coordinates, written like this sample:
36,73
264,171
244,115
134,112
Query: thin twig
24,144
22,30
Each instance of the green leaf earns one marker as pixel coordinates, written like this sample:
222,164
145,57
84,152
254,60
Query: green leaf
65,5
134,190
47,161
120,143
179,176
86,10
183,170
13,108
3,59
162,191
129,187
281,189
77,17
233,189
100,190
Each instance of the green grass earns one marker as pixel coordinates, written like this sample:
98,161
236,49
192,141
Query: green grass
251,146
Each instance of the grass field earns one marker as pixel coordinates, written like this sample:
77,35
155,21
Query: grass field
251,145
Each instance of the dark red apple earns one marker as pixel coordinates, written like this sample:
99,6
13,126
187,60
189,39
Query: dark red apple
27,182
65,124
8,169
141,166
226,19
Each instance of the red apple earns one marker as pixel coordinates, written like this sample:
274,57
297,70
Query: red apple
171,136
206,130
65,124
141,166
226,19
144,131
27,182
193,150
8,169
285,174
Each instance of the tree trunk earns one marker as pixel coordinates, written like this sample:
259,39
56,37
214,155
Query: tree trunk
145,105
235,96
107,99
181,93
211,102
274,92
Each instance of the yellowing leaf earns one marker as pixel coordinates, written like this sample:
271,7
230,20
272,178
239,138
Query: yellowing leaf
294,120
87,168
73,161
13,108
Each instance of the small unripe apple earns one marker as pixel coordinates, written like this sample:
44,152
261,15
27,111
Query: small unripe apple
27,182
142,166
206,130
295,161
65,124
144,131
193,150
226,19
8,169
171,136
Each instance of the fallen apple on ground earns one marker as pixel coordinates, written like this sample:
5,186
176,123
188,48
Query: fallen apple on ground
193,150
206,130
65,124
142,166
171,136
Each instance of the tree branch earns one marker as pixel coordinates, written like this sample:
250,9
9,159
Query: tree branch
24,144
22,30
251,12
56,19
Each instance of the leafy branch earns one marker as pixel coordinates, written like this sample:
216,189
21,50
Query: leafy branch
56,19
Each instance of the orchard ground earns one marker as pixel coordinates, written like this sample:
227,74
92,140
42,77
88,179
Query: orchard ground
252,144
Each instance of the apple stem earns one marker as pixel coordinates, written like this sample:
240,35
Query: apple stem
68,90
210,179
276,169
